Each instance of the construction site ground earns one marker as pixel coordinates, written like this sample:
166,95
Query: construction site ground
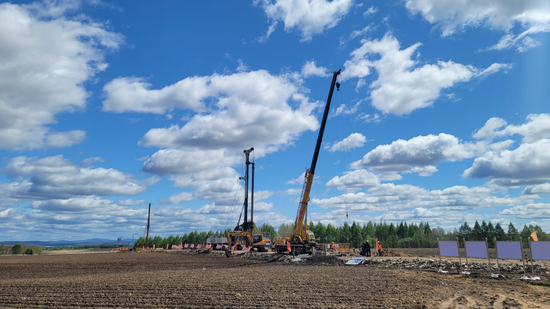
185,279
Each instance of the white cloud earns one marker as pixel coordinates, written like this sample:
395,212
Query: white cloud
172,161
528,162
311,69
92,160
354,180
402,86
420,154
293,191
529,211
132,202
357,33
125,94
59,178
370,12
180,198
247,108
218,185
537,189
45,59
354,140
368,118
343,110
259,207
533,16
307,16
297,181
536,128
388,196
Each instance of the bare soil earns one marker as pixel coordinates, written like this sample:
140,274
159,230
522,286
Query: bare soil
189,280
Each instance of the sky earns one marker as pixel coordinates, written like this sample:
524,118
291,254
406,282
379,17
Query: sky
106,106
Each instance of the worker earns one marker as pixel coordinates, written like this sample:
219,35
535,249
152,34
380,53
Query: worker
365,249
379,248
332,247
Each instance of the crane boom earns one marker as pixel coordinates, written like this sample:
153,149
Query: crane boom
300,231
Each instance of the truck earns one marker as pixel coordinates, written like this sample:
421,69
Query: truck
303,240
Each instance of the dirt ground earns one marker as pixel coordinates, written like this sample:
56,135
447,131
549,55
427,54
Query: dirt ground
189,280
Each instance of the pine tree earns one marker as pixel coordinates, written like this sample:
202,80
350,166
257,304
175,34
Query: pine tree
477,232
346,233
499,233
513,233
332,234
321,233
356,237
484,231
465,231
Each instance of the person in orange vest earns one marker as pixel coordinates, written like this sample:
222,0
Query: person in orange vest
332,247
379,248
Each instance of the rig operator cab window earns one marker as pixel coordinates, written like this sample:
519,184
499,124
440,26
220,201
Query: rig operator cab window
257,238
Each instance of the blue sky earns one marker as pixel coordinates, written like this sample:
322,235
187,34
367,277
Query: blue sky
107,106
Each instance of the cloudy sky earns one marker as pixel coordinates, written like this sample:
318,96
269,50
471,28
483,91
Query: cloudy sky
106,106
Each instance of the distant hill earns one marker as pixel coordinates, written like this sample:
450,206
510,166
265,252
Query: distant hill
68,243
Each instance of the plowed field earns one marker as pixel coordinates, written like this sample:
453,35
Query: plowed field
180,280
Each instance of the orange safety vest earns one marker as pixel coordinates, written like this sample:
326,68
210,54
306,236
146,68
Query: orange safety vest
379,247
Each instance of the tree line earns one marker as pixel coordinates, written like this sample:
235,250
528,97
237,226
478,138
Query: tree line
20,249
402,235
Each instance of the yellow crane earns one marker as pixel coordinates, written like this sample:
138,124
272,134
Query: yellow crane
302,240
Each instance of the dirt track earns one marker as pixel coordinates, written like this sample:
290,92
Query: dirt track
179,280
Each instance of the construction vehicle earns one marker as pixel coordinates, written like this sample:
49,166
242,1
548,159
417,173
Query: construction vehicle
302,240
244,231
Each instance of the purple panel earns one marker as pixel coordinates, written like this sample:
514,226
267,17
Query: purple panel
476,249
448,248
540,250
509,250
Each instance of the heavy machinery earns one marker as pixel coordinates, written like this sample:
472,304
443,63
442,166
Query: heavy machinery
302,240
244,231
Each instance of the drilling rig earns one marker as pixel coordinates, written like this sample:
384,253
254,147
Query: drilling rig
302,240
246,229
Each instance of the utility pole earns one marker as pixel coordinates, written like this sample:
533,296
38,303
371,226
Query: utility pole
148,220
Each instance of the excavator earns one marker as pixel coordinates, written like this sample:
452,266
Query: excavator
244,231
303,240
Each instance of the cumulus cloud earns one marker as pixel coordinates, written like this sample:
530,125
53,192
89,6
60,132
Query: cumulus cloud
388,196
528,162
354,140
532,16
172,161
420,154
529,211
537,189
180,198
311,69
536,128
309,17
402,86
246,108
45,59
59,178
354,180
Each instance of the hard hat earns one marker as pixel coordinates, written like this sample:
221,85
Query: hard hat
333,242
367,240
